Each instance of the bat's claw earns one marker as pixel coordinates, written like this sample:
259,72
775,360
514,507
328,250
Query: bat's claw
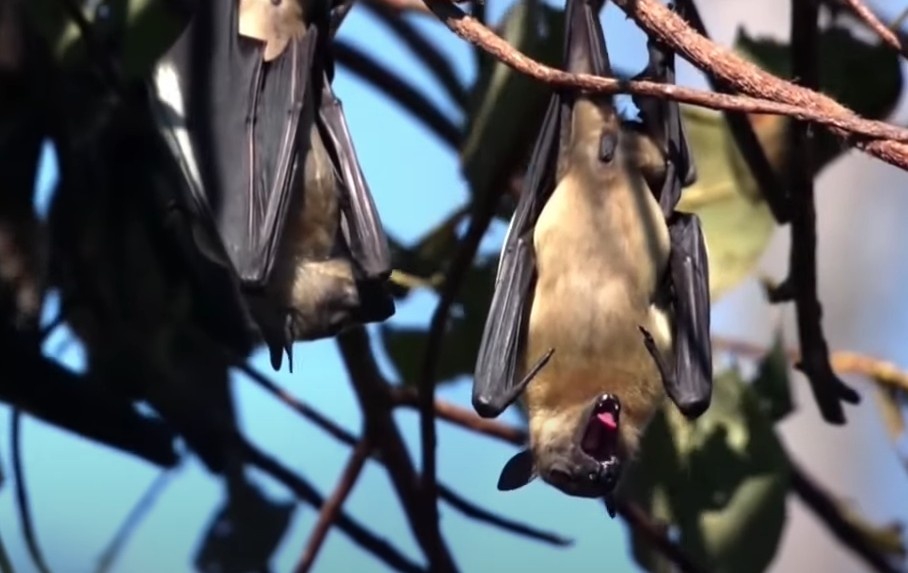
610,505
288,339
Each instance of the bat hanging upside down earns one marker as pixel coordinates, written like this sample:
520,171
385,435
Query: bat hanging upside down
601,302
275,194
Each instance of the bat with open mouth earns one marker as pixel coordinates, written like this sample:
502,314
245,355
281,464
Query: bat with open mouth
274,187
601,302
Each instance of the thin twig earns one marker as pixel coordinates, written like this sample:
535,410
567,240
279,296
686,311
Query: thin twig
333,505
829,390
463,417
132,521
25,513
358,533
843,362
6,566
471,510
826,509
899,20
401,92
375,403
742,132
446,411
869,18
324,423
424,50
655,534
463,260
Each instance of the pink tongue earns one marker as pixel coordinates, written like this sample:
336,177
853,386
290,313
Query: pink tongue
608,420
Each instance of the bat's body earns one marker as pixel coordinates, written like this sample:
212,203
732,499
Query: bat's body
597,281
601,303
272,175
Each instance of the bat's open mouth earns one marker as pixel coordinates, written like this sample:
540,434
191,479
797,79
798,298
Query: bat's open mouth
600,439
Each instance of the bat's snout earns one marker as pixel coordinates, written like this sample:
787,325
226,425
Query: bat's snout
592,464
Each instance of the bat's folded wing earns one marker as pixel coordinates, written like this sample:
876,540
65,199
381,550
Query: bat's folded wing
691,388
362,225
232,120
497,377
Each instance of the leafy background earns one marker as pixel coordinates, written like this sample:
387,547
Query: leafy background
731,464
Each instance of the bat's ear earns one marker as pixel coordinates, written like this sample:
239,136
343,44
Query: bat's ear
518,472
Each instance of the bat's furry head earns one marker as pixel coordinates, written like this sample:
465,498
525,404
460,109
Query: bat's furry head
580,451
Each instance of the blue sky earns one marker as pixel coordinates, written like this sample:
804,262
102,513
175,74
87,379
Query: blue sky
81,492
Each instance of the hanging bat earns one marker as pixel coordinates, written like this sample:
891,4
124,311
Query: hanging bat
598,276
274,186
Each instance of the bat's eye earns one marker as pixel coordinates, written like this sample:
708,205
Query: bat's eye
607,144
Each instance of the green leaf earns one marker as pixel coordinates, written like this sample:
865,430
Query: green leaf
737,223
772,383
721,480
243,533
406,345
507,107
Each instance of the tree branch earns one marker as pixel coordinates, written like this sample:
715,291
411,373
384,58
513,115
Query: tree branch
762,88
868,17
829,391
445,411
463,260
25,512
374,399
133,519
329,511
843,361
474,512
749,79
655,534
826,509
743,133
359,534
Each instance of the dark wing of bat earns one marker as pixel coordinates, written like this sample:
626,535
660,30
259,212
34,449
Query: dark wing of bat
688,381
233,121
663,122
362,225
496,383
691,389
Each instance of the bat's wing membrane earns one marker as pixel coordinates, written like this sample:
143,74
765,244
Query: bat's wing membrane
362,225
496,381
691,387
233,121
688,381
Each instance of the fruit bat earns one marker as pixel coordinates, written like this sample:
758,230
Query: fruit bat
601,301
274,187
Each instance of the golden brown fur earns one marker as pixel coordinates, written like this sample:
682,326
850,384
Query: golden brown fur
602,247
312,275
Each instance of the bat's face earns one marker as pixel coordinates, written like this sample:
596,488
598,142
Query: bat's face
588,463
